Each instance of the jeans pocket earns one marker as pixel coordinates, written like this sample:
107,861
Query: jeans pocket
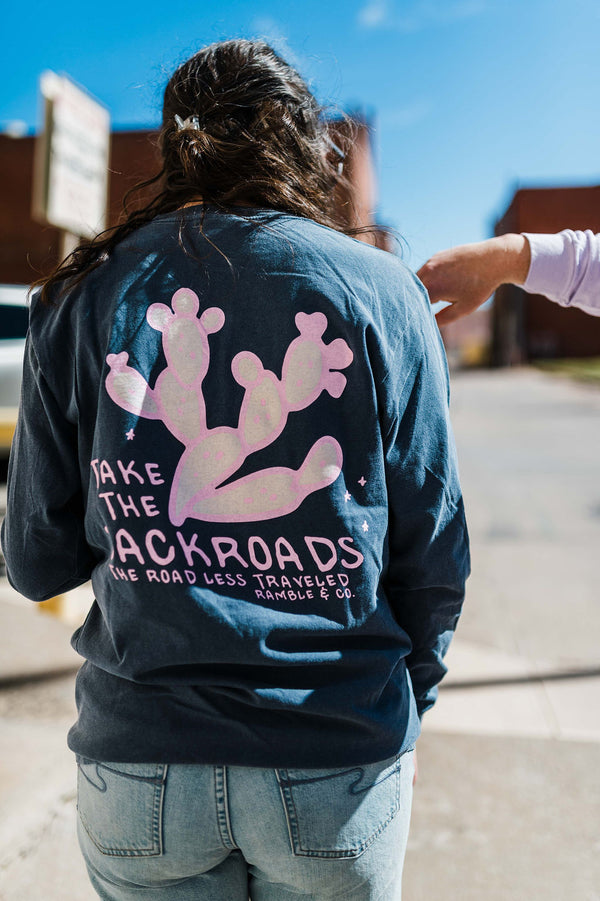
339,813
120,806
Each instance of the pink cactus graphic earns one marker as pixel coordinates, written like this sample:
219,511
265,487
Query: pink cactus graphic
212,456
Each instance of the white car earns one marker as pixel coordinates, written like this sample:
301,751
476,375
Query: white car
13,327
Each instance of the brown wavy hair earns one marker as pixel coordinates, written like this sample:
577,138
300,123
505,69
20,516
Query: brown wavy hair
239,127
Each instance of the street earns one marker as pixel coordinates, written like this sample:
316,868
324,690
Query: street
507,803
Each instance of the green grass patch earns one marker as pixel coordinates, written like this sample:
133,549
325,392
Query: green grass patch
585,369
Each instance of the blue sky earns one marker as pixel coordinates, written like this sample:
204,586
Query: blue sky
470,98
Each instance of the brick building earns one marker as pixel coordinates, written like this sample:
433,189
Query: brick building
29,249
527,327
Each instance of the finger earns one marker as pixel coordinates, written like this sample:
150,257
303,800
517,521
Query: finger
451,314
437,292
424,275
435,296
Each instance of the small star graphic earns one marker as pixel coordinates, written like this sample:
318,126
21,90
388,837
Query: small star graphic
362,481
365,526
130,435
347,496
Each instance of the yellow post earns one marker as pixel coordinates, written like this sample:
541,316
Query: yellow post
8,422
54,606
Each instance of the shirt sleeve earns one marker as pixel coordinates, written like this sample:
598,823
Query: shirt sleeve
43,538
566,268
428,541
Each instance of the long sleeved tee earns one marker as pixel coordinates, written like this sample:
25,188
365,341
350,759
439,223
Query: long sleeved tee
565,267
237,427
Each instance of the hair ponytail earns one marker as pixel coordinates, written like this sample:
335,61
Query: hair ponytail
240,127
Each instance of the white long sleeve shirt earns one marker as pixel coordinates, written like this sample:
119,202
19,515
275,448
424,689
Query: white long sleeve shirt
565,267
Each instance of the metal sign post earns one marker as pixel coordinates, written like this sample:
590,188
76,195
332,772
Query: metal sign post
70,183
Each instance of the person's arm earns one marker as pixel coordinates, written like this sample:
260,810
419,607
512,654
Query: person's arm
428,541
466,276
43,536
566,268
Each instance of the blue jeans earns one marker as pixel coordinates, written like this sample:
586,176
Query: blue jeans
177,832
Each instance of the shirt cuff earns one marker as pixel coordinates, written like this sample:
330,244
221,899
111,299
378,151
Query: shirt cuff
547,273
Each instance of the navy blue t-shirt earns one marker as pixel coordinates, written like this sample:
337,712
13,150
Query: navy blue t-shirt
237,427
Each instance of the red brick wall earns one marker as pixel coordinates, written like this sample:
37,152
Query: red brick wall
548,210
540,328
29,249
26,248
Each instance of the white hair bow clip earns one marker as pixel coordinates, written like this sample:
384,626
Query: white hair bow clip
340,153
190,122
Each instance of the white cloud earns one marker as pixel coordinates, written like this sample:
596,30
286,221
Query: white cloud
418,14
374,14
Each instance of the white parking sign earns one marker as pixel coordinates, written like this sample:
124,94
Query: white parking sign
72,165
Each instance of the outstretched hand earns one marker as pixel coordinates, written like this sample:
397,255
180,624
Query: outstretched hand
466,276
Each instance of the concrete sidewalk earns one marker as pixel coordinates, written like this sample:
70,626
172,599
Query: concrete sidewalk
33,643
507,805
39,856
